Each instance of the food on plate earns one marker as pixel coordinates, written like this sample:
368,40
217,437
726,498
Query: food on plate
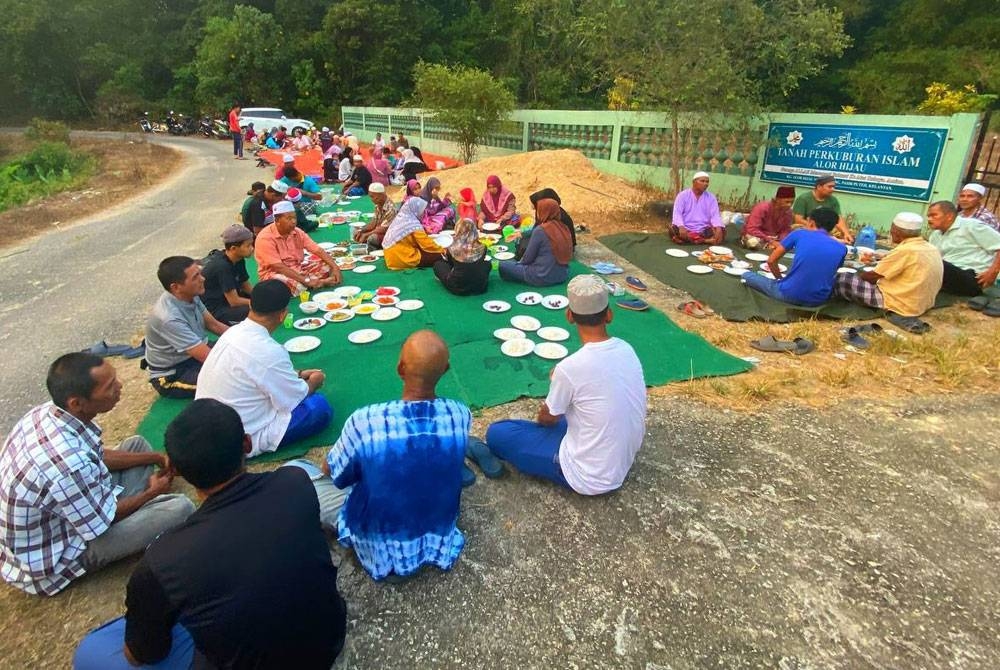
385,300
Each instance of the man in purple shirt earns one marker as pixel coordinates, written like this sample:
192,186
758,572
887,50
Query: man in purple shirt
696,218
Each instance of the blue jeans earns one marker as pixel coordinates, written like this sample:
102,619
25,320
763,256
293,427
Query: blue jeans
237,142
309,417
765,285
103,649
530,447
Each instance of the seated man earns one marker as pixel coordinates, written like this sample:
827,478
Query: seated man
404,460
70,506
592,422
247,582
821,195
227,283
385,212
970,249
696,218
307,187
280,253
176,344
360,179
769,221
906,281
254,375
810,280
970,202
286,160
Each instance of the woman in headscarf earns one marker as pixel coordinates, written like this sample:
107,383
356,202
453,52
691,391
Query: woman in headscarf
567,220
412,166
346,165
467,204
406,243
439,213
550,249
379,167
464,269
497,205
412,189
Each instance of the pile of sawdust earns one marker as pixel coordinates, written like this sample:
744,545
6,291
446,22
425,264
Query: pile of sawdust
602,202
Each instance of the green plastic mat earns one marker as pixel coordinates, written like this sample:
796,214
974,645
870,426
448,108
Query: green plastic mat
480,375
724,293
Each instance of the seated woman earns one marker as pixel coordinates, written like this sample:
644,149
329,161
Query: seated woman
564,217
497,205
467,205
412,166
412,190
464,269
302,142
546,260
346,165
406,243
378,165
439,214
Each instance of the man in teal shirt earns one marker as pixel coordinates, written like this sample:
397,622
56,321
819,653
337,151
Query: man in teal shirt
970,249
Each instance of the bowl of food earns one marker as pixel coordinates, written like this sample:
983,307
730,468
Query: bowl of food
309,307
359,249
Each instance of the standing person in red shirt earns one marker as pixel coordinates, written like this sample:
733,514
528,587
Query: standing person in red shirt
234,130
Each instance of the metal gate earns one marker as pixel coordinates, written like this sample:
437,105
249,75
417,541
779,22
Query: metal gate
984,168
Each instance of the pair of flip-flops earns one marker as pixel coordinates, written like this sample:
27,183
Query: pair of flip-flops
696,309
910,324
606,268
103,349
798,346
854,337
986,304
479,453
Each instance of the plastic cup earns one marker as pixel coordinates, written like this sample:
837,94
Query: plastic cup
304,296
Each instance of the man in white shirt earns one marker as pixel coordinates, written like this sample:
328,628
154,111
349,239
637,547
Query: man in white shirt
249,371
593,420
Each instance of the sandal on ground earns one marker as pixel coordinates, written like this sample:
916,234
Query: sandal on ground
992,309
636,283
979,303
692,308
634,304
803,346
853,338
872,328
468,476
705,308
480,454
770,344
910,324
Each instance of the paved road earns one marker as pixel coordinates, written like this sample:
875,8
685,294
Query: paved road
95,280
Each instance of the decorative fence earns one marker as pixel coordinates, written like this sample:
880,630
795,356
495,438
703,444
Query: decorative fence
639,146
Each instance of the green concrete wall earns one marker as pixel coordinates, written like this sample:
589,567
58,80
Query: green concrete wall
631,145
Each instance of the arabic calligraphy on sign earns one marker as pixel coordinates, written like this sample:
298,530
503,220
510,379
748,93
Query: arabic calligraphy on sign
847,140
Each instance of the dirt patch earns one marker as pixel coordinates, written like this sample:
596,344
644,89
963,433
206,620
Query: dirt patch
124,166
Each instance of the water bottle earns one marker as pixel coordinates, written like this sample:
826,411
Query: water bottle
288,320
866,238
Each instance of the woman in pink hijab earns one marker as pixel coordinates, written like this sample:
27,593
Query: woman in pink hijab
497,205
379,167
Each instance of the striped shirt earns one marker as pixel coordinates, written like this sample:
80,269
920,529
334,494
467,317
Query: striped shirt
404,461
56,495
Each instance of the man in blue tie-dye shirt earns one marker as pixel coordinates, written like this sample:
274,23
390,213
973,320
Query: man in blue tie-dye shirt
403,460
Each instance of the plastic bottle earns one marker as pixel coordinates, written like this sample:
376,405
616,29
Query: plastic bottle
866,238
288,321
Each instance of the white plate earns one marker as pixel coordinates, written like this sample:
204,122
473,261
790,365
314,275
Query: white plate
364,336
677,253
764,266
555,301
387,290
365,309
346,291
551,350
490,227
846,271
339,316
496,306
309,323
508,334
699,269
529,298
869,268
742,265
409,305
553,333
503,256
721,251
302,343
736,272
326,296
364,269
524,322
765,273
444,239
386,314
378,253
491,236
354,197
332,305
517,347
756,257
312,217
385,300
327,246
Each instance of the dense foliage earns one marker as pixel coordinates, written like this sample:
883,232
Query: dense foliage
49,167
109,60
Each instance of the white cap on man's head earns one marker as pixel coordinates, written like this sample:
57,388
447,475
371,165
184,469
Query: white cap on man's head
376,187
908,221
282,207
288,158
588,294
279,186
701,174
976,188
358,157
325,129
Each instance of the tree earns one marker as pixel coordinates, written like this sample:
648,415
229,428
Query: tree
468,100
942,100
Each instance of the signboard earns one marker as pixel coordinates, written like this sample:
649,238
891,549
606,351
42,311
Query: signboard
891,162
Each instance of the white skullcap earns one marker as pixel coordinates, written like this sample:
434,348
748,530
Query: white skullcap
978,188
325,129
358,157
908,221
288,158
587,294
700,174
282,207
279,186
376,188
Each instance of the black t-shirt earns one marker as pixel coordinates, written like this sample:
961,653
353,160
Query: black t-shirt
221,275
363,177
468,278
253,213
248,575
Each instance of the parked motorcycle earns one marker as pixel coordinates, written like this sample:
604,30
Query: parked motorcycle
188,124
144,123
205,126
174,126
221,129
